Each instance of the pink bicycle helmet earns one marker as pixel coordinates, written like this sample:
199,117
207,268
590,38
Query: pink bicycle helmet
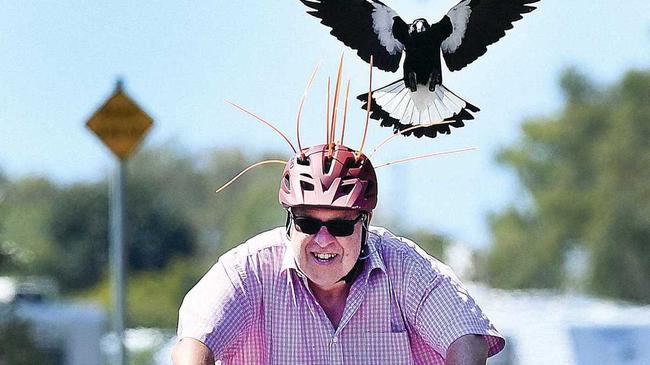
340,181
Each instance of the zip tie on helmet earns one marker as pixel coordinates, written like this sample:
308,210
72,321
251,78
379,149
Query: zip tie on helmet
398,134
345,111
327,117
365,129
248,169
362,172
302,104
263,121
427,155
337,92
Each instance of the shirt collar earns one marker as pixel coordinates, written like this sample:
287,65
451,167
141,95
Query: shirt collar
288,261
374,259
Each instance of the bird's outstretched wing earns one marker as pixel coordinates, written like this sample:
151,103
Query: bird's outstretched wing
477,24
364,25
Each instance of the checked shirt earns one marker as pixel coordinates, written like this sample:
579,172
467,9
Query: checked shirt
255,307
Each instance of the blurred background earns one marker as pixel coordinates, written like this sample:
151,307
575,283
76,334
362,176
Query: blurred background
548,222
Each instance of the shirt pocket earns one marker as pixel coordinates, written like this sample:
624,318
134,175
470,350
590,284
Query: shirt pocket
388,348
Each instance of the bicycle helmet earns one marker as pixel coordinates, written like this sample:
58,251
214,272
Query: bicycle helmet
333,178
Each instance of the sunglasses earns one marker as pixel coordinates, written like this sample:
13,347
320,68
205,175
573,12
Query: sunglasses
336,227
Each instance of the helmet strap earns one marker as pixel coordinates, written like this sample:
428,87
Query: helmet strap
358,266
287,224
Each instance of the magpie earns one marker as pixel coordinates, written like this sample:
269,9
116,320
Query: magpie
419,98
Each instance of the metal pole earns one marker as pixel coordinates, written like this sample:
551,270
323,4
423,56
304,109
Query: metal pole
117,257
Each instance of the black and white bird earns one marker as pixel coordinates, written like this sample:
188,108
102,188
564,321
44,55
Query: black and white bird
420,98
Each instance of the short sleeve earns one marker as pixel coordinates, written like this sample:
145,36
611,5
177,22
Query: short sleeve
216,311
443,311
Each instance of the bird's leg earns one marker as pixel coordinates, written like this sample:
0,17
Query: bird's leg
411,81
436,79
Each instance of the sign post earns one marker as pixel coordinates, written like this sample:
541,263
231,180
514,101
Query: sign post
120,124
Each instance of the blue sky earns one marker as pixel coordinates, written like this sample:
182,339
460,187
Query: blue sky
181,60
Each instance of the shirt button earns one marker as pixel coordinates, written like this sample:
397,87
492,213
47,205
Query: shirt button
335,339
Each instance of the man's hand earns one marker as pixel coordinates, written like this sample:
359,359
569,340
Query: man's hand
467,350
189,351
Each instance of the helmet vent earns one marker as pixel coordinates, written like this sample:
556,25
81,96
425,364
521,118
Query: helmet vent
327,164
370,188
287,182
305,186
346,189
303,161
351,163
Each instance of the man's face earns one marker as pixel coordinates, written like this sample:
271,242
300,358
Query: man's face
325,258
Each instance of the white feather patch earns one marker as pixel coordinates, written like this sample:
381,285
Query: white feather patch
459,16
421,106
421,97
382,24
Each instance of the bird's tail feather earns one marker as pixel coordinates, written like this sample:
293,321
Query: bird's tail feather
396,106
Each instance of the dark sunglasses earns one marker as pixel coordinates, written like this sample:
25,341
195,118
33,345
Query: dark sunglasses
336,227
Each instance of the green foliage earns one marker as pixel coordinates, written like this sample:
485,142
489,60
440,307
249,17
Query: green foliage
158,232
524,256
79,229
246,207
24,240
153,297
586,173
432,243
17,346
187,184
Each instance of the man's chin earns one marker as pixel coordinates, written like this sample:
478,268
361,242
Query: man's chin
327,284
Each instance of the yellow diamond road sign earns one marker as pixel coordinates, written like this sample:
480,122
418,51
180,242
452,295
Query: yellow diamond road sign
120,123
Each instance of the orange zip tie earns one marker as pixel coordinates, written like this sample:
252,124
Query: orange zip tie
302,103
263,121
395,135
337,91
427,155
246,170
327,119
345,111
365,130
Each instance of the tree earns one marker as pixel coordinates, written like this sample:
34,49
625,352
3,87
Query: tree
166,288
434,244
79,229
17,345
25,210
585,173
154,232
158,232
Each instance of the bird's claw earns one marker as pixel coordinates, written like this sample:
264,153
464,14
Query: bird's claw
436,79
411,82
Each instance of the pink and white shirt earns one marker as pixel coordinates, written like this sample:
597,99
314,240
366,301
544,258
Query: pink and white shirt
254,307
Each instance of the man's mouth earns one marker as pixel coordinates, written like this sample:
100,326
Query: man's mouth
324,257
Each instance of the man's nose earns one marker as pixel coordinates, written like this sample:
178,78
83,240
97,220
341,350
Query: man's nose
323,237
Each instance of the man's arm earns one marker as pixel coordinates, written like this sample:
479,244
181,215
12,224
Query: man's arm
444,312
467,350
189,351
